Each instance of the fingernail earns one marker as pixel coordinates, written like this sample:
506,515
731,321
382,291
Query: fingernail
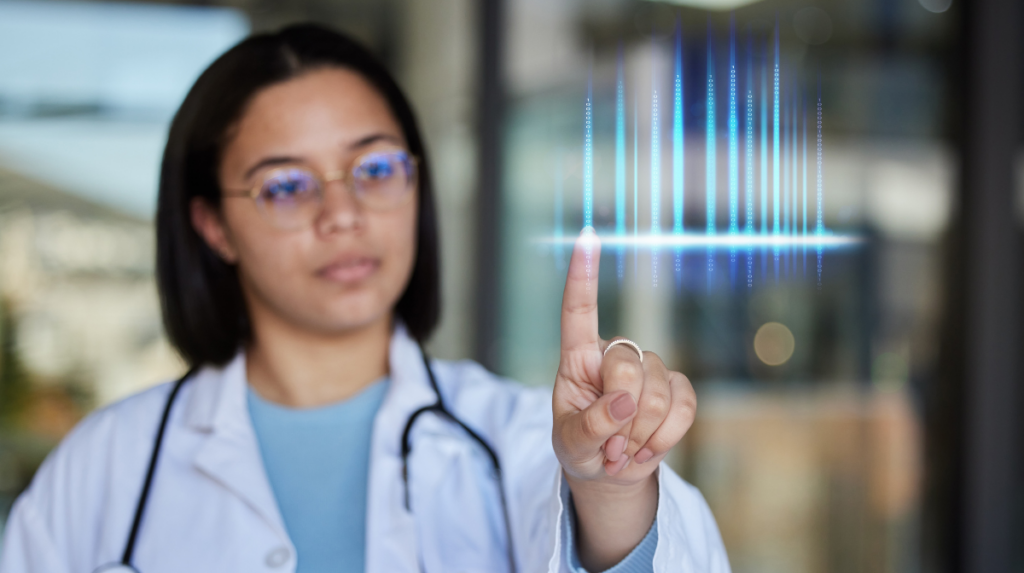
643,455
623,407
617,447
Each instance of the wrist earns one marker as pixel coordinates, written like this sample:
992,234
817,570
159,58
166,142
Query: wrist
612,518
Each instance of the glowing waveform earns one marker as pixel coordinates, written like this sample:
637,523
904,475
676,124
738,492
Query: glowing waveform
784,222
722,240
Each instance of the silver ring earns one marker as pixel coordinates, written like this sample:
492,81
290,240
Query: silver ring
635,346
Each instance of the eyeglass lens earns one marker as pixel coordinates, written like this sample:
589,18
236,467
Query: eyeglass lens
292,197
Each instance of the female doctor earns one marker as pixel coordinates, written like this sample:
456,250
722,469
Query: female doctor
297,262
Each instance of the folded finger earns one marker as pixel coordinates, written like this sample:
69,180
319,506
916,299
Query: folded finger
675,425
654,404
621,369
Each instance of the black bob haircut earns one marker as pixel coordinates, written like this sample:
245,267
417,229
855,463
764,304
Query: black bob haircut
200,296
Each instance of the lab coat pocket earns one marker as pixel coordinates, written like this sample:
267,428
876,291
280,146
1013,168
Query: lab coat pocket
457,505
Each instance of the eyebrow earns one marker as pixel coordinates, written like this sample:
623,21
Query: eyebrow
286,159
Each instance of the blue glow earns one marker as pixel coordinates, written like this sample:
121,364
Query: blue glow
710,149
734,150
588,160
764,151
793,146
704,241
678,155
678,143
819,227
749,168
784,155
748,171
788,229
804,106
775,137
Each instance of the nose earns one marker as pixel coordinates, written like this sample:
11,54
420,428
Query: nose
340,211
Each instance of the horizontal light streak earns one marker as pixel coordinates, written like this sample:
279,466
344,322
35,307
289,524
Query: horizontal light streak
695,240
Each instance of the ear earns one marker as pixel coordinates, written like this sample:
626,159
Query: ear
208,222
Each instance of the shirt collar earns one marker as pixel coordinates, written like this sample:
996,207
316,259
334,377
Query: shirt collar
217,400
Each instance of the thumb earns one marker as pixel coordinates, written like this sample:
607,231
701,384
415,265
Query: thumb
586,431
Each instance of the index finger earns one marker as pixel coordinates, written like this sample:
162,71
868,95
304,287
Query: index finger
579,301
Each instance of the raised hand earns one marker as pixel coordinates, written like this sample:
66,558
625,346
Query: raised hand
615,416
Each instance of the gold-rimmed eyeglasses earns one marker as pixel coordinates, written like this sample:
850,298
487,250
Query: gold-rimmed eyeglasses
292,197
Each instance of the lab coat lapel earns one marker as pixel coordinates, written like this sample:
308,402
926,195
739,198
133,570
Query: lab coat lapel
391,530
230,452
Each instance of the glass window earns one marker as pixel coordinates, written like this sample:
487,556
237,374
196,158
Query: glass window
810,358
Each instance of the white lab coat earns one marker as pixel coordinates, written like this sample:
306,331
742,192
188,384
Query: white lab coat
211,508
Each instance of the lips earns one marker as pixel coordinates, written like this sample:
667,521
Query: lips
349,270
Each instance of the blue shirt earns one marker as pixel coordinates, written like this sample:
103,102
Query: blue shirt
317,461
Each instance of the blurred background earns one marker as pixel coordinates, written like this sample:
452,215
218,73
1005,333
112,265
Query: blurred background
869,423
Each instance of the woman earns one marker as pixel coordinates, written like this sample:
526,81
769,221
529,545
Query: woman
297,267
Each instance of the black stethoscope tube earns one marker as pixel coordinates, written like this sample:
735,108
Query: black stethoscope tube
437,407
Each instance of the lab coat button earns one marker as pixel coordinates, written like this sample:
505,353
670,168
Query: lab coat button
278,557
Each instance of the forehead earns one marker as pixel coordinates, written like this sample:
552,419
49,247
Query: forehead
327,107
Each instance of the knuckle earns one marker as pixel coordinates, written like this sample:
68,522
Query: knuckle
627,370
656,403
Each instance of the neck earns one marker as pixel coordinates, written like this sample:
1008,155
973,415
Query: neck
295,367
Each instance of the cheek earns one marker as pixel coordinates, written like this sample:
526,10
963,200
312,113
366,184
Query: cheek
265,255
398,234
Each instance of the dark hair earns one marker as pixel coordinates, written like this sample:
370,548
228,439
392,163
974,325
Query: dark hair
203,308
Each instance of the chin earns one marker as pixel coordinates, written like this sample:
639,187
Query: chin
352,314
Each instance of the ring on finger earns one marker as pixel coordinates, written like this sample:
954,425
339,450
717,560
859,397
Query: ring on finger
629,342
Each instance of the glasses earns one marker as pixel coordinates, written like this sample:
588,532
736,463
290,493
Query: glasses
293,197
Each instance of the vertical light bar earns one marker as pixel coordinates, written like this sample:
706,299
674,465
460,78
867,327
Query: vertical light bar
620,163
775,137
710,153
764,146
678,143
734,150
794,155
710,148
819,227
803,163
678,153
588,158
748,170
784,158
804,110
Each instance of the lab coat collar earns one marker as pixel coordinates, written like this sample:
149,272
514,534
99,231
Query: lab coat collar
216,406
217,399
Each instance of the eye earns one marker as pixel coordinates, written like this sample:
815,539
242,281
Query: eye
376,168
288,185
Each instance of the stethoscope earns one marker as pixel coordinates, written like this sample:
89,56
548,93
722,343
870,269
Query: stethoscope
438,408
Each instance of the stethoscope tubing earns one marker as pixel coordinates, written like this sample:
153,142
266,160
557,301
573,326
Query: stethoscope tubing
437,407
